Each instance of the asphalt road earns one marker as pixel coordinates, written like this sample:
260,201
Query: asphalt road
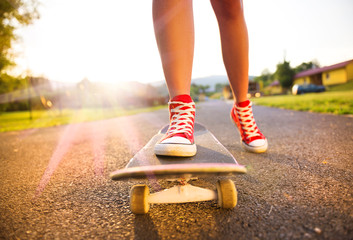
55,182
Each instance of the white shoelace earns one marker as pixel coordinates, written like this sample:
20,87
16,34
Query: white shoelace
182,117
247,121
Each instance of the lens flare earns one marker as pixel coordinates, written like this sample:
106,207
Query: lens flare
97,137
62,148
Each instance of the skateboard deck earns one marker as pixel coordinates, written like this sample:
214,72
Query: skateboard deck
212,158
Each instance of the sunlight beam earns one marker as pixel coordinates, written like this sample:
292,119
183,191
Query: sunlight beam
62,148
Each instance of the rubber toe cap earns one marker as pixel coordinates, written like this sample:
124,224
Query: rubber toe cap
176,140
257,143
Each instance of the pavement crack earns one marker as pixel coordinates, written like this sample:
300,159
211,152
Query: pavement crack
299,166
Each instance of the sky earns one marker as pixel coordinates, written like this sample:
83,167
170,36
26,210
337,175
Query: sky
113,40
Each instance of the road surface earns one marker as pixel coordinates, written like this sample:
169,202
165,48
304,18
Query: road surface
55,181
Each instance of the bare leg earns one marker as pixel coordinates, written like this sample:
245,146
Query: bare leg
235,47
174,30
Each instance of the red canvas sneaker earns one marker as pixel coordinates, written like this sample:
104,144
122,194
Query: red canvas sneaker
179,139
252,139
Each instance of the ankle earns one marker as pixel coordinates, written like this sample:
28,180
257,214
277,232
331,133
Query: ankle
242,104
185,98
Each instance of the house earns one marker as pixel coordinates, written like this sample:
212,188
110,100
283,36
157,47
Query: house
253,89
331,75
274,88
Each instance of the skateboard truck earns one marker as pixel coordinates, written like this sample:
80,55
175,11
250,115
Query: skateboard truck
182,194
140,197
184,179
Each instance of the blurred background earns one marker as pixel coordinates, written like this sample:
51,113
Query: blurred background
64,61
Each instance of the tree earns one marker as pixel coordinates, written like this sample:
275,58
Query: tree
13,14
203,88
284,74
195,90
9,85
219,87
266,78
306,66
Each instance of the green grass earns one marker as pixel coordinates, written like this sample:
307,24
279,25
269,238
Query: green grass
338,102
341,87
11,121
216,95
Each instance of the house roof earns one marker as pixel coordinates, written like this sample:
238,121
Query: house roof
274,83
323,69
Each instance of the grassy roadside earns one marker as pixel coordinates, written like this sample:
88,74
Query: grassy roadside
336,102
13,121
341,87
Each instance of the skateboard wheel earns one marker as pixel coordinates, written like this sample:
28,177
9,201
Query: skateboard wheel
227,193
139,199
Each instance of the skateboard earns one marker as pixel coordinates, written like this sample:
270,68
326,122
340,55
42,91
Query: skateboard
212,159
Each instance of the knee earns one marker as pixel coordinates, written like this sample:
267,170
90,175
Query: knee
227,9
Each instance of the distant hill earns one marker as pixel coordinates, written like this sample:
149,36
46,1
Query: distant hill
211,81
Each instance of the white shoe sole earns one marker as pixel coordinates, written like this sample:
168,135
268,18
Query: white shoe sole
176,150
258,149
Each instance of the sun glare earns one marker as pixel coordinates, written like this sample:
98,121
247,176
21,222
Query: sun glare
105,42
